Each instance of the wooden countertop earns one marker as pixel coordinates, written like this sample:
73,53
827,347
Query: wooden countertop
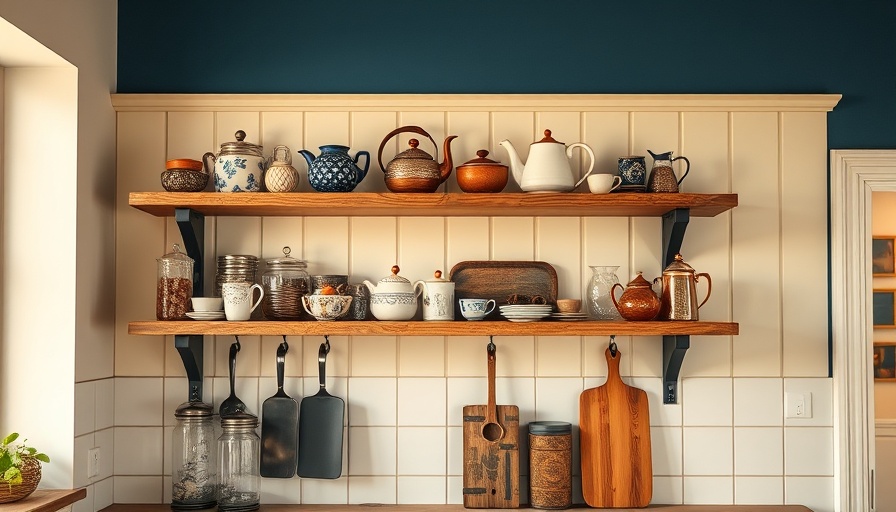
46,500
459,508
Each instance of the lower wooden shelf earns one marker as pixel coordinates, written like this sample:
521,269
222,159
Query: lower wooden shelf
46,500
459,508
420,328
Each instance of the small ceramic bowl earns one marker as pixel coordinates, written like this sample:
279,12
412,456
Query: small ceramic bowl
184,180
207,303
327,307
569,305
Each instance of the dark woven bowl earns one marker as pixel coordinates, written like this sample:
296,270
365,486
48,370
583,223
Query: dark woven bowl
184,180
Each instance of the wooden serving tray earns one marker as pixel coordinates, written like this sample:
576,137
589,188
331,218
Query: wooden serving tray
499,280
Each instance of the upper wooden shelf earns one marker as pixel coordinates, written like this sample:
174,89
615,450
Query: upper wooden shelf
352,204
421,328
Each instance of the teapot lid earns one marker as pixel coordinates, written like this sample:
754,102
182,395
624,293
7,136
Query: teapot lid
547,138
239,147
437,278
639,282
679,266
413,152
482,160
394,278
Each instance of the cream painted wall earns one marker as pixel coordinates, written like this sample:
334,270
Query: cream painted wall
727,441
58,229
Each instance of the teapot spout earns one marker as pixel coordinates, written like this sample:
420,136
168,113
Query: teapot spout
447,164
307,155
516,165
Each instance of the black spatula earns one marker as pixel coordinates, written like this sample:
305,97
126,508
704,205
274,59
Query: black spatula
320,428
279,428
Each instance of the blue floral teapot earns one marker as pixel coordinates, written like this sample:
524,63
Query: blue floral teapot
238,166
334,170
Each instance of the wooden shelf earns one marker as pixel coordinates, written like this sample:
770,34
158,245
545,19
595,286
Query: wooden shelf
460,508
420,328
316,204
46,500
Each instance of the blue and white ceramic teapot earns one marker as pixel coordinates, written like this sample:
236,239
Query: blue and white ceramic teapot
238,167
334,170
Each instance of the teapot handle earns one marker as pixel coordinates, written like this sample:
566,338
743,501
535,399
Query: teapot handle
708,283
209,168
613,294
590,153
362,172
687,168
403,129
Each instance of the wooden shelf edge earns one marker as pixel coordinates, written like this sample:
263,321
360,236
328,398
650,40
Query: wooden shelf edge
420,328
46,500
459,508
353,204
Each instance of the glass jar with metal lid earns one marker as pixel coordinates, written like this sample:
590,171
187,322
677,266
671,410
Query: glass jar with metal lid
175,285
285,282
193,475
238,167
239,450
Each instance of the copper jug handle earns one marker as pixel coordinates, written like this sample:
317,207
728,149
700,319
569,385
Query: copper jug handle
708,289
403,129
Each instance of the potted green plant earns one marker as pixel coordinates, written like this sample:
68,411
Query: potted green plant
19,469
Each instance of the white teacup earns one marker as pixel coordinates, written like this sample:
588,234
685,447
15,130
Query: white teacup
476,309
603,183
237,297
207,303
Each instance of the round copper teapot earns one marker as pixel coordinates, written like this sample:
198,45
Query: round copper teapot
638,301
415,170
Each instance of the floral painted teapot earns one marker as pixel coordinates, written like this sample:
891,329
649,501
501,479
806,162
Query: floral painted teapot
394,297
238,166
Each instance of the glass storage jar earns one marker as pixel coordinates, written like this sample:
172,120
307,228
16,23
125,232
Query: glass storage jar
193,458
175,285
285,282
239,451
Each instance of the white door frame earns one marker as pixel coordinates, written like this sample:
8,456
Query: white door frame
855,174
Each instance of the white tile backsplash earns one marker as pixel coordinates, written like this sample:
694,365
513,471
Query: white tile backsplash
708,490
372,401
456,451
666,450
143,455
708,451
138,489
105,404
706,401
325,492
422,490
138,401
372,489
757,451
821,391
422,401
372,451
758,490
103,493
422,451
286,491
557,399
667,490
85,408
661,414
808,451
816,493
758,402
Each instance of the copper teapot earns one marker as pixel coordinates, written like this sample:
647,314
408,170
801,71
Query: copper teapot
415,170
679,296
638,301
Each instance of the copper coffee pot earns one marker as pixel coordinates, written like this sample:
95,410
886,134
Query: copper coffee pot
679,296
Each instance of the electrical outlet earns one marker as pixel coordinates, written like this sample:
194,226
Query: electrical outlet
798,405
93,462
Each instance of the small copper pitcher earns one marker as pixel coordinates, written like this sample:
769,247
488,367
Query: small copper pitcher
679,296
638,302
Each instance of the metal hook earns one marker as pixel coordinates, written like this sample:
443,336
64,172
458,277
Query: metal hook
613,348
491,345
284,346
326,344
237,342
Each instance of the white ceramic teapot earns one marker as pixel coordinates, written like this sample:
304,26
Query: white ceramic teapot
548,168
438,298
394,297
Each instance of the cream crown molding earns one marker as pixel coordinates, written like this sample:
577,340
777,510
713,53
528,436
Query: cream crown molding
490,102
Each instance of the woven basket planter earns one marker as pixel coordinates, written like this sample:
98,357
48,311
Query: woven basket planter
30,479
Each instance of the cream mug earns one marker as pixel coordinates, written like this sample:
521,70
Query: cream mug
603,183
238,300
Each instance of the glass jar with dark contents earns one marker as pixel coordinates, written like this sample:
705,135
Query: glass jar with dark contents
175,285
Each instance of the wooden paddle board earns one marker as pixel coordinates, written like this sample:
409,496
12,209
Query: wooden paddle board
491,450
614,430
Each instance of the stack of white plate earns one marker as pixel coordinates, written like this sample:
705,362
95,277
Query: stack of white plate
569,317
206,315
526,312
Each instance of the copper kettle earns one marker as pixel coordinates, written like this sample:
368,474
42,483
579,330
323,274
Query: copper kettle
679,296
415,170
638,302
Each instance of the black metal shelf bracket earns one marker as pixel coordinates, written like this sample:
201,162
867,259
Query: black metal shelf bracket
675,224
674,348
190,347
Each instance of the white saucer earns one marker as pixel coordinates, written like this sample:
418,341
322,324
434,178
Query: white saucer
206,315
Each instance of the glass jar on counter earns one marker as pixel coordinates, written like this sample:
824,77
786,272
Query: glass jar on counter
285,282
175,285
193,458
239,451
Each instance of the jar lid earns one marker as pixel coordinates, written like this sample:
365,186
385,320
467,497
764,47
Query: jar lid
484,162
437,278
176,255
239,147
547,138
239,419
413,152
550,428
194,410
286,260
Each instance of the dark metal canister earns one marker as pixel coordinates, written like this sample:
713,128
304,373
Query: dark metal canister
550,464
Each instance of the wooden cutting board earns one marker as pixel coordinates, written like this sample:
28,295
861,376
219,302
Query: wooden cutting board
614,430
491,450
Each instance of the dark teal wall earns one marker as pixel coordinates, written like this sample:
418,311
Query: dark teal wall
523,46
